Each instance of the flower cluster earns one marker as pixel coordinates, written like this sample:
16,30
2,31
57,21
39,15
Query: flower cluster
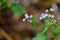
44,15
27,17
51,10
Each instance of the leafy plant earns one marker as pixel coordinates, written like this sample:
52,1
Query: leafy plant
40,36
14,7
17,9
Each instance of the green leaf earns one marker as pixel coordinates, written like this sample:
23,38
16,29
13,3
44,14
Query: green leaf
17,9
58,29
45,27
33,24
0,3
3,4
55,30
33,21
40,37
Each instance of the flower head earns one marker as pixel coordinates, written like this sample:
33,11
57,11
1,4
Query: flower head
42,16
46,10
52,9
26,16
52,16
23,19
30,16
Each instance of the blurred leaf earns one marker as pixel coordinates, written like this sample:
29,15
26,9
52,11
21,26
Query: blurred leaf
0,3
3,4
17,9
33,23
40,37
57,28
45,27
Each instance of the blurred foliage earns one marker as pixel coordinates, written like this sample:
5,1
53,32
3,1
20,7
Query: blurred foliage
17,9
41,35
14,7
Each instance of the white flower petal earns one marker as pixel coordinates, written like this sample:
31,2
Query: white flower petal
40,18
26,16
23,19
52,9
46,15
30,16
52,16
49,15
42,14
46,10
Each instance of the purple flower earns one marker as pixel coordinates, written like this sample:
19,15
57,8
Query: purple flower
23,19
30,16
46,14
51,16
52,9
46,10
26,16
40,18
43,16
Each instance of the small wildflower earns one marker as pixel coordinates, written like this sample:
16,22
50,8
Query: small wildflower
46,14
46,10
49,15
43,16
26,16
30,16
52,9
23,19
40,18
52,16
